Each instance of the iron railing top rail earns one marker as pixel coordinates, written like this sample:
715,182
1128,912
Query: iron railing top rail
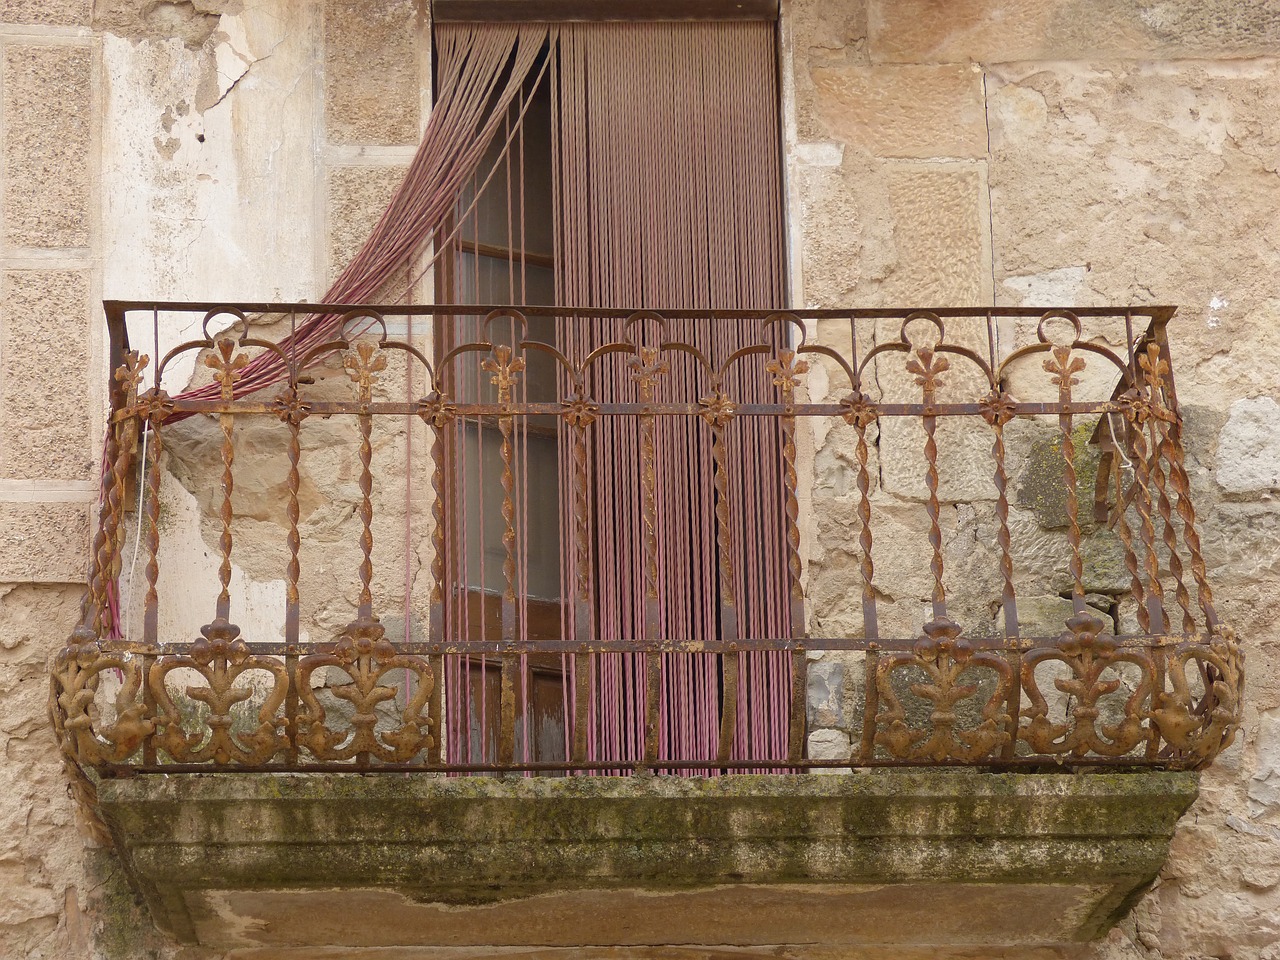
117,308
116,312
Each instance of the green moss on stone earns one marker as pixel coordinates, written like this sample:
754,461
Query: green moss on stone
1041,485
123,929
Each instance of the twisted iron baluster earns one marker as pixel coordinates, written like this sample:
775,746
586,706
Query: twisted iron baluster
927,367
718,410
155,407
1155,368
505,372
227,366
786,370
438,413
580,413
1174,453
1126,540
1063,367
1137,411
362,363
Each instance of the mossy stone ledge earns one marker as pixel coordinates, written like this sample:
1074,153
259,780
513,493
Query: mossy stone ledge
883,857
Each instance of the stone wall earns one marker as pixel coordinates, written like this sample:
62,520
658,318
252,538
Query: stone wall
51,416
1088,153
963,152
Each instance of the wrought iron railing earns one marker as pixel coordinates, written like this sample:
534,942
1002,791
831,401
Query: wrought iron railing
126,698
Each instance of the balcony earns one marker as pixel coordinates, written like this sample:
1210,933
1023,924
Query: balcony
1024,469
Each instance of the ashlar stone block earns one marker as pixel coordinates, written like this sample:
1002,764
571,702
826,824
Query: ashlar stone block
59,13
43,542
828,29
903,111
47,103
357,196
372,88
965,467
45,409
927,31
1249,447
895,232
939,235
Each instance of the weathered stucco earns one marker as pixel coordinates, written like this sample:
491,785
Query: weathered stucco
1016,151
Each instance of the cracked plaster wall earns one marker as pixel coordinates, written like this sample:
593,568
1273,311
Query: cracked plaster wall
1035,152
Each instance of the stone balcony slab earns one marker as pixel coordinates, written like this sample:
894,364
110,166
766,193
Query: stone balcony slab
281,862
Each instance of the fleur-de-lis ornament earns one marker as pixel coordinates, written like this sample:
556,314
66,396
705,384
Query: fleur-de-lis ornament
219,640
1155,372
1151,362
927,367
505,370
645,371
363,362
787,370
226,365
129,375
1064,368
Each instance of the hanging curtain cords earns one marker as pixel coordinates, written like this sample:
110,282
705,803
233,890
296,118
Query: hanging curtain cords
653,216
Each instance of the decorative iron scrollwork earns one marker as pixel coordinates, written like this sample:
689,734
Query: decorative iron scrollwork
1199,727
78,673
944,657
1090,655
366,657
221,659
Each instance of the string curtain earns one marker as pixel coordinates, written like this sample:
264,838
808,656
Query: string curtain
668,196
666,183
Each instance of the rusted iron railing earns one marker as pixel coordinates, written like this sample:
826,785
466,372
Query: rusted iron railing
1082,694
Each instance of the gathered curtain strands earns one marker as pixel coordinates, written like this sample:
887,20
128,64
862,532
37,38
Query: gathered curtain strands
481,69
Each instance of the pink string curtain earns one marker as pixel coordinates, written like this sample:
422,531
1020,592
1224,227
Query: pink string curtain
668,195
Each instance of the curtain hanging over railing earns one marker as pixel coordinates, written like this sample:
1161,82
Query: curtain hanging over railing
666,194
481,68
